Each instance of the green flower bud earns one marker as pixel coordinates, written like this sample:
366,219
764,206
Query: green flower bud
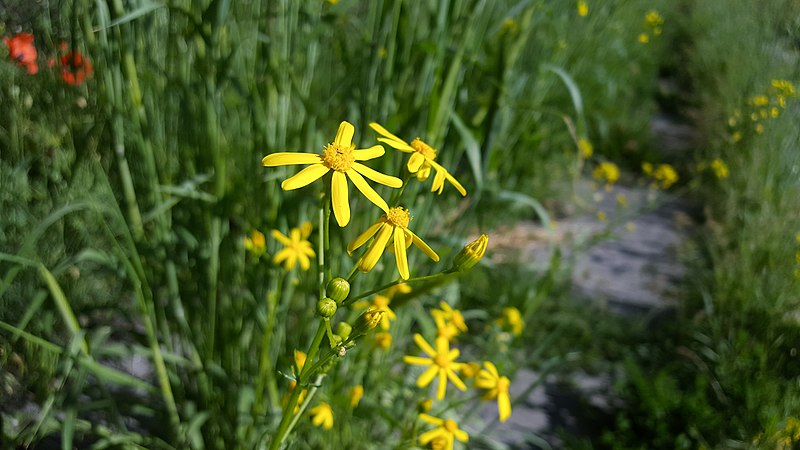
338,289
326,307
343,329
367,321
471,254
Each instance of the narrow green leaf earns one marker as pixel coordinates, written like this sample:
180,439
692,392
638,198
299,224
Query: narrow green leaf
572,87
144,8
527,200
63,305
473,149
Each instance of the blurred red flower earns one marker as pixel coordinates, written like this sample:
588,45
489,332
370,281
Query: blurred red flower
75,68
21,50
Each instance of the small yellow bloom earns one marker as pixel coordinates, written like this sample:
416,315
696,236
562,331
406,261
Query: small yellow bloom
496,387
400,288
665,176
653,19
383,340
356,394
421,161
322,415
585,148
296,247
299,362
256,243
442,363
425,405
470,370
510,25
606,171
760,100
720,168
622,200
583,8
644,38
736,136
449,322
602,216
647,168
785,87
759,128
444,435
774,112
512,319
380,303
797,237
630,227
340,156
391,227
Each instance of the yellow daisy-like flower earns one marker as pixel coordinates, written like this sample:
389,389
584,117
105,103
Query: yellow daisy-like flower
653,19
322,416
496,387
441,361
606,171
296,247
256,243
644,38
380,303
421,160
720,168
449,322
512,318
583,8
340,156
391,227
666,175
444,435
356,394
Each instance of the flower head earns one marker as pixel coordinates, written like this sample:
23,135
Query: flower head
380,303
75,68
449,322
495,386
784,87
606,171
392,227
471,254
356,394
383,340
583,8
512,319
256,243
444,435
665,175
421,161
720,168
653,19
340,157
644,38
322,416
296,247
585,148
22,50
442,362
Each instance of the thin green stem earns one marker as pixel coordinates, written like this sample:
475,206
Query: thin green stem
265,378
394,283
310,396
398,194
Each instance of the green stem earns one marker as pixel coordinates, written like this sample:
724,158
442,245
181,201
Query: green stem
394,283
306,402
398,194
265,378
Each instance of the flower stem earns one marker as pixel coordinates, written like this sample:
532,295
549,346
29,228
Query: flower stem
394,283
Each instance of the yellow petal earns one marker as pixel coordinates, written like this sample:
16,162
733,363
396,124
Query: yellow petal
364,237
456,184
430,419
438,182
369,153
402,146
375,250
423,344
455,380
503,406
461,435
280,237
361,184
441,389
374,175
400,253
344,136
281,256
428,436
415,162
289,158
424,247
339,199
305,177
417,360
427,376
384,132
305,263
453,354
492,369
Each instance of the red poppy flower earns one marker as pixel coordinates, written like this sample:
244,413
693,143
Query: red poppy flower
75,68
21,50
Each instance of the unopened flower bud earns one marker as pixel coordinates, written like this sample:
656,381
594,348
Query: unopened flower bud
344,329
338,289
326,307
424,405
368,320
471,254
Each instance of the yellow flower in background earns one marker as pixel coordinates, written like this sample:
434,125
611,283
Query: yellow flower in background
421,160
583,8
322,416
736,136
400,288
296,247
256,243
774,112
380,303
784,87
720,168
759,128
299,362
585,148
622,200
760,100
797,237
356,394
602,216
442,362
489,379
653,19
449,322
383,340
665,175
444,435
470,369
606,171
647,168
391,227
339,156
644,38
512,319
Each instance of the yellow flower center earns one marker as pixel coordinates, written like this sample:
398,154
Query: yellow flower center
450,425
398,217
502,384
424,149
442,361
338,158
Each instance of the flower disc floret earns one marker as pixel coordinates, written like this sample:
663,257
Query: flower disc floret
398,217
423,149
338,158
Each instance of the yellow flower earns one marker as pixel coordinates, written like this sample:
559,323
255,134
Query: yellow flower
774,112
392,226
383,340
759,128
647,168
512,318
400,288
322,415
441,361
339,156
449,322
585,148
644,38
797,237
760,100
380,303
256,243
785,87
421,160
736,136
496,387
720,168
606,171
299,362
583,8
653,19
666,175
470,369
602,216
296,247
356,394
622,200
444,435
